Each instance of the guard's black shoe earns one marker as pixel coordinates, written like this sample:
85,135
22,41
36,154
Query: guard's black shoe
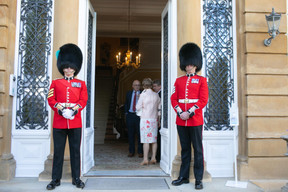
198,184
54,183
180,181
78,183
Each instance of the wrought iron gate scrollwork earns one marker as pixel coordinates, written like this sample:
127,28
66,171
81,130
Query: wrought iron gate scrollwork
89,69
165,72
218,61
33,58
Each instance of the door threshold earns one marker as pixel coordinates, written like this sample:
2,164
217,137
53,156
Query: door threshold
126,173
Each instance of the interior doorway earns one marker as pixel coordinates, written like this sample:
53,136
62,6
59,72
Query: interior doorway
117,22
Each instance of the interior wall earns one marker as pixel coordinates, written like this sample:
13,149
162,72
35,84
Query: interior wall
150,49
106,50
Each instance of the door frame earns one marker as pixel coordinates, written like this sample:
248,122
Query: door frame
169,134
87,147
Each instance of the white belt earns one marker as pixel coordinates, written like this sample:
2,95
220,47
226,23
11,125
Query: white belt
188,100
68,104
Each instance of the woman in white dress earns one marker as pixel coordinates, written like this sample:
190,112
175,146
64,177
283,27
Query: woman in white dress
148,108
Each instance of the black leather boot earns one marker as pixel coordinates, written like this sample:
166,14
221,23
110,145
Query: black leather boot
78,183
198,184
180,181
54,183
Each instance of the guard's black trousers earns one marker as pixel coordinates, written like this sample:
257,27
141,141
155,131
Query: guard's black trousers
188,135
59,137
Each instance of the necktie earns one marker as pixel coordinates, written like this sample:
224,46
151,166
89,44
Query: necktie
134,102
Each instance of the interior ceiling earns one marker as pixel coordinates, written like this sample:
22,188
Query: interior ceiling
113,17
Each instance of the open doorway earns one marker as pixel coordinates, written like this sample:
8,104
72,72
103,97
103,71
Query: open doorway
119,22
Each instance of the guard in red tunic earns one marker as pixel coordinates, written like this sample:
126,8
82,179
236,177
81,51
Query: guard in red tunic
67,97
189,97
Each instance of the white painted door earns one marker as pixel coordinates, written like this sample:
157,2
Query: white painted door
220,68
30,138
168,75
87,42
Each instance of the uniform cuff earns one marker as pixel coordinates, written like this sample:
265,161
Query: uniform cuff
59,106
178,110
192,110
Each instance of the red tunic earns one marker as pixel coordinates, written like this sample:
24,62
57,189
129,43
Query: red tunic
70,94
190,93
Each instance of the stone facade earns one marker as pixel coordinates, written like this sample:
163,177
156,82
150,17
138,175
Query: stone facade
7,42
262,81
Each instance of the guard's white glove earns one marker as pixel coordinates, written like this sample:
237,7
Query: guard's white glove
68,114
72,117
184,116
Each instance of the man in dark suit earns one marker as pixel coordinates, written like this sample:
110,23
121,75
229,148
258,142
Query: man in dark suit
157,89
132,120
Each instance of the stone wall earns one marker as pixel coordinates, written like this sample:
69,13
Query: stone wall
263,91
7,42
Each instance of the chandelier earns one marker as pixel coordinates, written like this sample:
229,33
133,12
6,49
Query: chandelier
129,61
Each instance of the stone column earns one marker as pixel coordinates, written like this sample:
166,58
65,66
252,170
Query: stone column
285,137
7,34
66,16
46,175
7,167
188,30
176,164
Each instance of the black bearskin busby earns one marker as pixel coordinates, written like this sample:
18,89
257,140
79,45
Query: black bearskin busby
190,54
70,55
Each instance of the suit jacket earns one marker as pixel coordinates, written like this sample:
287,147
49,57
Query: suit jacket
128,101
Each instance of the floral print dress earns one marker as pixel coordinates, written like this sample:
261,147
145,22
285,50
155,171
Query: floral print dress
148,130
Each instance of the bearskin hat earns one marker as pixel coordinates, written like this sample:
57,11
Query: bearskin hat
69,55
190,54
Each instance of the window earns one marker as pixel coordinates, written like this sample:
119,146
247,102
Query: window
218,61
32,77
